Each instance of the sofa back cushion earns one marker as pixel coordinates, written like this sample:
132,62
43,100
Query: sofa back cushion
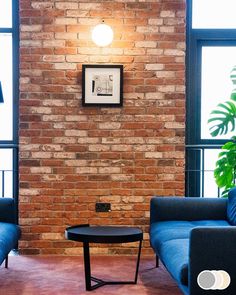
179,208
7,210
231,207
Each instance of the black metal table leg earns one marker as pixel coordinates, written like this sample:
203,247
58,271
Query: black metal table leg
87,269
138,260
99,282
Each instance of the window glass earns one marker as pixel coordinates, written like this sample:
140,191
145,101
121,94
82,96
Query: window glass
6,173
217,14
5,13
216,84
6,81
210,189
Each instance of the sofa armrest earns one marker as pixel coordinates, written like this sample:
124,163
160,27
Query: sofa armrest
180,208
7,210
212,248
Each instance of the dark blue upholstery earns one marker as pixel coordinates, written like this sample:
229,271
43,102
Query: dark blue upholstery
175,256
170,239
9,232
231,208
172,222
7,210
9,235
179,208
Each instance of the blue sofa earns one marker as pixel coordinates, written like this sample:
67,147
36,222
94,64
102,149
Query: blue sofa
9,231
190,235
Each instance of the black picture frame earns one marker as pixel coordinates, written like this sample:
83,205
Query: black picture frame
102,85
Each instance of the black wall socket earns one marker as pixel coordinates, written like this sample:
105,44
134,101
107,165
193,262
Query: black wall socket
103,207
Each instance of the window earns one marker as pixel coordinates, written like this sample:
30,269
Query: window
9,39
213,14
6,110
217,64
210,60
6,14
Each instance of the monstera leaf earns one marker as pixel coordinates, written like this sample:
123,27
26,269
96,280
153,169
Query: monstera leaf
223,119
225,170
233,95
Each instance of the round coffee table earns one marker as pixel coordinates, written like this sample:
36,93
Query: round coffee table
105,235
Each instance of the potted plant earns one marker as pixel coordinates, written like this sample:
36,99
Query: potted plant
221,122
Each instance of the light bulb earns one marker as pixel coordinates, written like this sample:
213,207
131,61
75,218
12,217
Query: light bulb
102,35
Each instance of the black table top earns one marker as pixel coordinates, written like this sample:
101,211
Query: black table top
104,234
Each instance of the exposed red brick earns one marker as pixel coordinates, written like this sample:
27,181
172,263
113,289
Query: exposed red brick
72,156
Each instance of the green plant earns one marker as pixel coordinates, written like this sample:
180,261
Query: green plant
221,122
225,171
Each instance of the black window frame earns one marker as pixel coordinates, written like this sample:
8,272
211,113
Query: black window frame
195,39
14,143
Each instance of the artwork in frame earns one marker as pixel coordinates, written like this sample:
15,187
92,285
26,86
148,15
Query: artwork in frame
102,85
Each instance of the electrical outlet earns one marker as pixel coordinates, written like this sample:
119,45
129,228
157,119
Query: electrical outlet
103,207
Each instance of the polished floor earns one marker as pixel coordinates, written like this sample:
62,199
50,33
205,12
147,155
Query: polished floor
45,275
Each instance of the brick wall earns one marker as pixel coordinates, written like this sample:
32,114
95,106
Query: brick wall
72,156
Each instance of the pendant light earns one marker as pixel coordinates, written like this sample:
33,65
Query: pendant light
102,34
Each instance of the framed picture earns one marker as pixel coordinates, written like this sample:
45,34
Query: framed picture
102,85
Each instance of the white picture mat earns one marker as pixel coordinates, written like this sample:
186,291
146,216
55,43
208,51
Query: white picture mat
89,74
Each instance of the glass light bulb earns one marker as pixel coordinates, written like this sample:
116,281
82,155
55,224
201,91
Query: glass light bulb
102,35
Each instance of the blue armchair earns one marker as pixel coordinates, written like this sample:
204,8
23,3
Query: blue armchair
9,231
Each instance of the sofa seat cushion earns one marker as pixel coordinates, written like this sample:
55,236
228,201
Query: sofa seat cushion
170,239
9,235
175,258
